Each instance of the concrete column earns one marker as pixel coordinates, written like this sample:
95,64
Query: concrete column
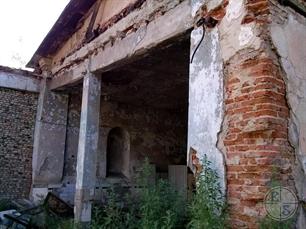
206,96
49,140
87,150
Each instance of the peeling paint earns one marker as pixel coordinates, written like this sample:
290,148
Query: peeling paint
233,35
206,100
235,10
287,37
245,36
49,137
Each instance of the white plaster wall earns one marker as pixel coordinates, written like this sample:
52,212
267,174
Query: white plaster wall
289,37
206,99
234,35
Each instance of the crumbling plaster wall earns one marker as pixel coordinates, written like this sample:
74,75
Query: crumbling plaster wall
288,33
49,138
159,135
17,120
254,134
206,99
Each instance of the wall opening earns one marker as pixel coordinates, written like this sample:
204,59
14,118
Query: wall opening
149,97
118,153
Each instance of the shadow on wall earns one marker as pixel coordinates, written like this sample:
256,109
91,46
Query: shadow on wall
118,153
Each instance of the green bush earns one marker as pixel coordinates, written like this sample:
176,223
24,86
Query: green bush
113,215
268,223
158,206
5,205
208,208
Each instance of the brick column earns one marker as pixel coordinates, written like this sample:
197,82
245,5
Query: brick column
254,133
87,149
256,138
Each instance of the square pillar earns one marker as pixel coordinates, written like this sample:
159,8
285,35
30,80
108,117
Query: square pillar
49,140
87,148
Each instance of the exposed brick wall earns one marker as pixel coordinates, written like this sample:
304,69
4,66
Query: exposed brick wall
257,137
255,131
17,119
155,133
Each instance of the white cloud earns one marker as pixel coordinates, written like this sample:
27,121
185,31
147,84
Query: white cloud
24,24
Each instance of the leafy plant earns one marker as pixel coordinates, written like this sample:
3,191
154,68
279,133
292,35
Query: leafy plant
160,205
268,223
5,205
111,216
208,208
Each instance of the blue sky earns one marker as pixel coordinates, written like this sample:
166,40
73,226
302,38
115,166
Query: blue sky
24,24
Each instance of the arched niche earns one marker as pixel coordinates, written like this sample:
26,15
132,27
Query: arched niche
118,153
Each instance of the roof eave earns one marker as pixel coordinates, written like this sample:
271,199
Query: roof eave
63,28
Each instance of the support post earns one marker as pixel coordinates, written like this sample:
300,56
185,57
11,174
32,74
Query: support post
49,140
87,149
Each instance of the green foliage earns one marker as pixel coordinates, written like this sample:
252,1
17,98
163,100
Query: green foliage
208,208
160,205
68,224
268,223
5,205
112,215
157,206
275,179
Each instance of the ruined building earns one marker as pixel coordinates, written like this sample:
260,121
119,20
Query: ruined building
116,81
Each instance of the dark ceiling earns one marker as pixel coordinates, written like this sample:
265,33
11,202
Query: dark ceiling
158,80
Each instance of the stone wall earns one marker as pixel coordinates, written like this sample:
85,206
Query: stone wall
17,120
157,134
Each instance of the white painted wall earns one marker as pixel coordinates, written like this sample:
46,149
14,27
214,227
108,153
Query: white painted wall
206,99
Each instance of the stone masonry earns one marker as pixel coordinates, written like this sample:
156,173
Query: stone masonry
17,119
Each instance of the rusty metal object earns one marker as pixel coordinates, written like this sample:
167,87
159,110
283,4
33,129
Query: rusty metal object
58,206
